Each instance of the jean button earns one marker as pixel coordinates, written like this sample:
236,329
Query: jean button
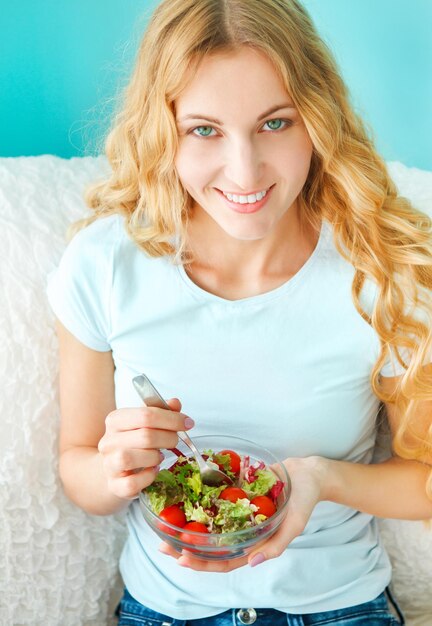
247,616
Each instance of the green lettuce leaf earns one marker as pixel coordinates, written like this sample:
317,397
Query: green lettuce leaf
262,485
196,513
157,501
234,515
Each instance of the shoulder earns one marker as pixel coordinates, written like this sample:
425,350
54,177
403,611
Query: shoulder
95,246
99,236
88,259
79,290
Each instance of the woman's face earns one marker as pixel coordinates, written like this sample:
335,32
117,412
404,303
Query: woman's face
244,152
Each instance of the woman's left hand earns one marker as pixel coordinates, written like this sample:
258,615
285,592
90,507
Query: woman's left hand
308,481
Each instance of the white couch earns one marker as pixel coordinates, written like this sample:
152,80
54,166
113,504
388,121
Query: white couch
58,566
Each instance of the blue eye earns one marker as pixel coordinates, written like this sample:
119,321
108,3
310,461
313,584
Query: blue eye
203,131
277,124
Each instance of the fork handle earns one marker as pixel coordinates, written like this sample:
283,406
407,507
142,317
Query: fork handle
151,397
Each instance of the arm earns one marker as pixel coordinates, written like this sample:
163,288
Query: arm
392,489
395,488
107,455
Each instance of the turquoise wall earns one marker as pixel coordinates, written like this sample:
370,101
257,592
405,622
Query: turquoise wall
62,62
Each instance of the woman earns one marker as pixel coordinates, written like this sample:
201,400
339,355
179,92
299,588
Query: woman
250,253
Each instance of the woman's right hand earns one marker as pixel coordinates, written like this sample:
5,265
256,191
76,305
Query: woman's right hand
130,446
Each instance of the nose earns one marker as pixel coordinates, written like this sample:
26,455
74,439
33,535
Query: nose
243,165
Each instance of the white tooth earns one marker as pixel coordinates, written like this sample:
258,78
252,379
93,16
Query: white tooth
249,199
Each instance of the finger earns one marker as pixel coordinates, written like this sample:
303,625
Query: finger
165,548
174,404
138,439
130,486
200,565
290,528
186,559
124,419
146,417
122,460
164,419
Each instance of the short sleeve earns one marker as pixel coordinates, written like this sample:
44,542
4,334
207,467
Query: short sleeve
79,289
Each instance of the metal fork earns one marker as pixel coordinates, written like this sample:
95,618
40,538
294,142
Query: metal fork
210,473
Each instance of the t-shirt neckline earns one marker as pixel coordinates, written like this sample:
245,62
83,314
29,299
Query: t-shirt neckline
277,292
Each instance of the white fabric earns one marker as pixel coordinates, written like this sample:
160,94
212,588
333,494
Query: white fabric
58,565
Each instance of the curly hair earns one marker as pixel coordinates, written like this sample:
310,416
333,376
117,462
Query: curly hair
380,233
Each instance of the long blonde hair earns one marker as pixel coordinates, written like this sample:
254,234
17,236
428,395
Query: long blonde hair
385,239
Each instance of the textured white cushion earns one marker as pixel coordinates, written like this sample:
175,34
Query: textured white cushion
58,566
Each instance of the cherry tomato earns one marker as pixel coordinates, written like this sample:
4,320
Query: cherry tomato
234,460
233,494
198,528
265,505
174,515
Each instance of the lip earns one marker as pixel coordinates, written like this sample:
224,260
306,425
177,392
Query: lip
246,208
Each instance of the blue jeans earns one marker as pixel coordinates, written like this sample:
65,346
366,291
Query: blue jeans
373,613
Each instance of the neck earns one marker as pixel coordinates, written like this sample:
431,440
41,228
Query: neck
280,254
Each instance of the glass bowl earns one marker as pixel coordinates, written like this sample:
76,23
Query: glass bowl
229,545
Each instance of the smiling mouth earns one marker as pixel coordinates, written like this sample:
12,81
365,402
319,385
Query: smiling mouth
249,198
246,203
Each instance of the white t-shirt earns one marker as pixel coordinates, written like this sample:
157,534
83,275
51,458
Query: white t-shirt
288,368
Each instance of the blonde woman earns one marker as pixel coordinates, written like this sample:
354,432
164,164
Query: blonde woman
250,253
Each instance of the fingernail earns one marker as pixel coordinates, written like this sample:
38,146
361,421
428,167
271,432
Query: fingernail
161,456
157,468
257,559
189,423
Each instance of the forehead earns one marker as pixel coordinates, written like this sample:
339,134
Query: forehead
231,83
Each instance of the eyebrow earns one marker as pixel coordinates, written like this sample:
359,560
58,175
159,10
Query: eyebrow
198,116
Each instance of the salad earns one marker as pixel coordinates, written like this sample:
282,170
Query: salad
178,496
